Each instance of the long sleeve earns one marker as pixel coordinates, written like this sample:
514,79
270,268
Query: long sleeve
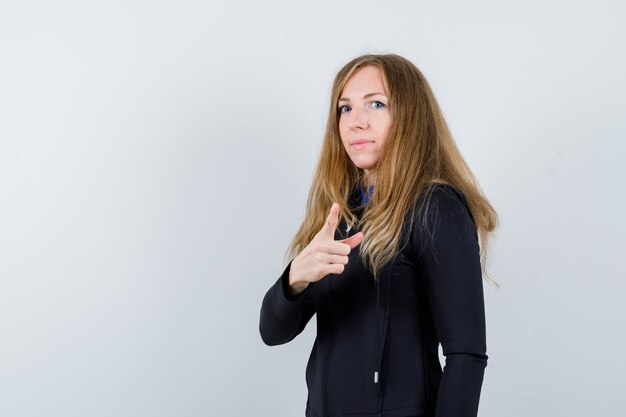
283,317
450,265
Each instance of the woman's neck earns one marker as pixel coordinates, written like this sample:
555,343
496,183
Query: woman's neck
368,179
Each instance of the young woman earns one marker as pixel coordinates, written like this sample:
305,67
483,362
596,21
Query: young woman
388,256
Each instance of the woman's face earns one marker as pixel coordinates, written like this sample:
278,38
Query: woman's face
364,117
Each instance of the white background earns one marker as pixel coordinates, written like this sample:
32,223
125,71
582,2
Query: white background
155,158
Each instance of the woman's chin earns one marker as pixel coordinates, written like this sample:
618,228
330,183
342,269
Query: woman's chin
365,165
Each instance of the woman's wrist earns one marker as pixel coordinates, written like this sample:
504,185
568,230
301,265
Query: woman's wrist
296,287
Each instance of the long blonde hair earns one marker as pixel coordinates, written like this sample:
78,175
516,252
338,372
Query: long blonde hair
419,151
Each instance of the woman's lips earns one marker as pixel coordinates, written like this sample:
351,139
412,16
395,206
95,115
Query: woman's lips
361,143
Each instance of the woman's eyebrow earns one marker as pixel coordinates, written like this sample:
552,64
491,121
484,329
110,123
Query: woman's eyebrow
365,96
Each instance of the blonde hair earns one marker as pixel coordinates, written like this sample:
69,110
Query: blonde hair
419,151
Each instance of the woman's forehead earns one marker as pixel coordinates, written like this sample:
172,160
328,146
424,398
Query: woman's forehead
367,80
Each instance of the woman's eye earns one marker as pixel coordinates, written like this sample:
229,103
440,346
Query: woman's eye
343,109
378,105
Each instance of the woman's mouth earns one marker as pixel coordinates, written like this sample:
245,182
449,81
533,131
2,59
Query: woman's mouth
361,143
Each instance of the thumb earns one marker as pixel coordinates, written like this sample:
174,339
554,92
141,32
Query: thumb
331,221
354,240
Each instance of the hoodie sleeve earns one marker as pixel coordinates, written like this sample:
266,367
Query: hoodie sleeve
449,262
283,316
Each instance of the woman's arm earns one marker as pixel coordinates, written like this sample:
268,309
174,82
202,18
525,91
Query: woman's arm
287,308
284,316
450,265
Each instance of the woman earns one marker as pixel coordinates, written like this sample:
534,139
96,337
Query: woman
391,182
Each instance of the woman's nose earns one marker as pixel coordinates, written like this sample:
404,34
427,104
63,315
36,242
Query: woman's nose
358,119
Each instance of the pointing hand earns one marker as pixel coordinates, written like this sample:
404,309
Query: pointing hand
323,255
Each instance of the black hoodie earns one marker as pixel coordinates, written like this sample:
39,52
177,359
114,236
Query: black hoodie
376,350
